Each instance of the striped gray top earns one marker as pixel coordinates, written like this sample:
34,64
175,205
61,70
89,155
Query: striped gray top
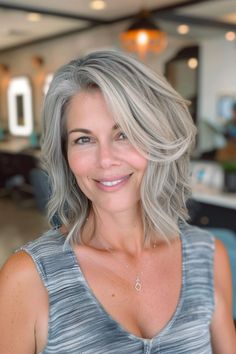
78,323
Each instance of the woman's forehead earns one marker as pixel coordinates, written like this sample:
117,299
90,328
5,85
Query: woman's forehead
89,109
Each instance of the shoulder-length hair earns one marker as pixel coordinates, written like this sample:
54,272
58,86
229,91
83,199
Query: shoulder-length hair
154,117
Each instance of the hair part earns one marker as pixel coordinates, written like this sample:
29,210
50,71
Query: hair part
155,119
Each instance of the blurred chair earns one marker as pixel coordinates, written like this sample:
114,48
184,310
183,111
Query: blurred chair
41,191
14,174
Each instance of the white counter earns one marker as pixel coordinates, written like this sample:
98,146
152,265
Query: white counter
211,196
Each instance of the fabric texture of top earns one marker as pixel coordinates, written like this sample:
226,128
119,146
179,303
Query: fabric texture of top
79,324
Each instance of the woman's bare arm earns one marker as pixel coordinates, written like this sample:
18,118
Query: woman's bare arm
222,329
20,293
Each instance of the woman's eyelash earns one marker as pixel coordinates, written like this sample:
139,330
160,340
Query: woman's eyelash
122,135
82,140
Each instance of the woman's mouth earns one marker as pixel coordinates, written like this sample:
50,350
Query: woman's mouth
112,183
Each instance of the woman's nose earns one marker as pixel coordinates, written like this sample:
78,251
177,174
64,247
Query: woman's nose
108,156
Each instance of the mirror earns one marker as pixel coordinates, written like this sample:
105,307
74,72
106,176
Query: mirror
20,107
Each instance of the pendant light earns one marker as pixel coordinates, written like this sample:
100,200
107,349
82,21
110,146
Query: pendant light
97,5
144,36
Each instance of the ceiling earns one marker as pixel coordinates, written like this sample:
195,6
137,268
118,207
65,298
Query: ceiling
207,18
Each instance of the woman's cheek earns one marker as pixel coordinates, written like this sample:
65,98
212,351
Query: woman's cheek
80,163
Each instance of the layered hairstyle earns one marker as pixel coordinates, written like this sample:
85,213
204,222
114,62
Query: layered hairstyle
155,119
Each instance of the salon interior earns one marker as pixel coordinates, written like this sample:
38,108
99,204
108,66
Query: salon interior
193,43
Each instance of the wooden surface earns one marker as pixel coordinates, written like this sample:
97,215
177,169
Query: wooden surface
14,144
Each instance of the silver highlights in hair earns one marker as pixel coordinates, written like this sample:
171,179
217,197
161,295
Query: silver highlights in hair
155,119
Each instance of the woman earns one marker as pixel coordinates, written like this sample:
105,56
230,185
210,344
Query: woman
125,274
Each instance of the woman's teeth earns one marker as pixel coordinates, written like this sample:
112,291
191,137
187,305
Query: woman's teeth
113,183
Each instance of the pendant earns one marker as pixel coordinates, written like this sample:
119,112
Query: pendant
138,284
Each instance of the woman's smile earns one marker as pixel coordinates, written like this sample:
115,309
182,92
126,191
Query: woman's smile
112,184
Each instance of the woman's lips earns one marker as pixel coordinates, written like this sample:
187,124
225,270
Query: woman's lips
112,183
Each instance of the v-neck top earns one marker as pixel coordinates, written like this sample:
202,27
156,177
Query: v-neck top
79,324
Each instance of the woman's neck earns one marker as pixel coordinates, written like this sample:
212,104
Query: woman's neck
119,232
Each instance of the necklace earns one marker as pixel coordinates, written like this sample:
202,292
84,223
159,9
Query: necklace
138,286
138,283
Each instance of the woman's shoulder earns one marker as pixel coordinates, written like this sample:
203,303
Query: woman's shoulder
22,295
223,337
19,280
195,236
222,263
48,242
18,267
46,251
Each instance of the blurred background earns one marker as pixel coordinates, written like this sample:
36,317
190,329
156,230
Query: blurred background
193,43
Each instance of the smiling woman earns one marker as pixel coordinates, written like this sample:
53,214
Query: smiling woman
116,145
153,117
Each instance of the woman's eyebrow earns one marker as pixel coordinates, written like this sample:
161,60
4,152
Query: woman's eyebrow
116,126
87,131
79,130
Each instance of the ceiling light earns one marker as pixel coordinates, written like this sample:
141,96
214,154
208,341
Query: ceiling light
97,4
183,29
230,36
34,17
192,63
143,36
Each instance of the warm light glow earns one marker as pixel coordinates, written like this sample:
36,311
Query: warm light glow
97,4
183,29
142,38
33,17
192,63
230,36
144,41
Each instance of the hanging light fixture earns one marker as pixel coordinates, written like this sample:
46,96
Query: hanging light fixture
97,4
144,36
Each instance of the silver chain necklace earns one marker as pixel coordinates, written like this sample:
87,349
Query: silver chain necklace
138,286
138,283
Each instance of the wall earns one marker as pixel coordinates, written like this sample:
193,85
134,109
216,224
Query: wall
217,77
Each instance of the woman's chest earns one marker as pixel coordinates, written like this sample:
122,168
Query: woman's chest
102,309
142,300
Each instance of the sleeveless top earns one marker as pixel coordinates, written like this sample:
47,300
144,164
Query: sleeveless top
78,323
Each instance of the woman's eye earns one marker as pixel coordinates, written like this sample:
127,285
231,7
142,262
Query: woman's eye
122,136
83,140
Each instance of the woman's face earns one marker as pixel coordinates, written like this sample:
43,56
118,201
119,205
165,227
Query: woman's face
106,166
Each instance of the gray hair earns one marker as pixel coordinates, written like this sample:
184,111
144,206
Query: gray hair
154,117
